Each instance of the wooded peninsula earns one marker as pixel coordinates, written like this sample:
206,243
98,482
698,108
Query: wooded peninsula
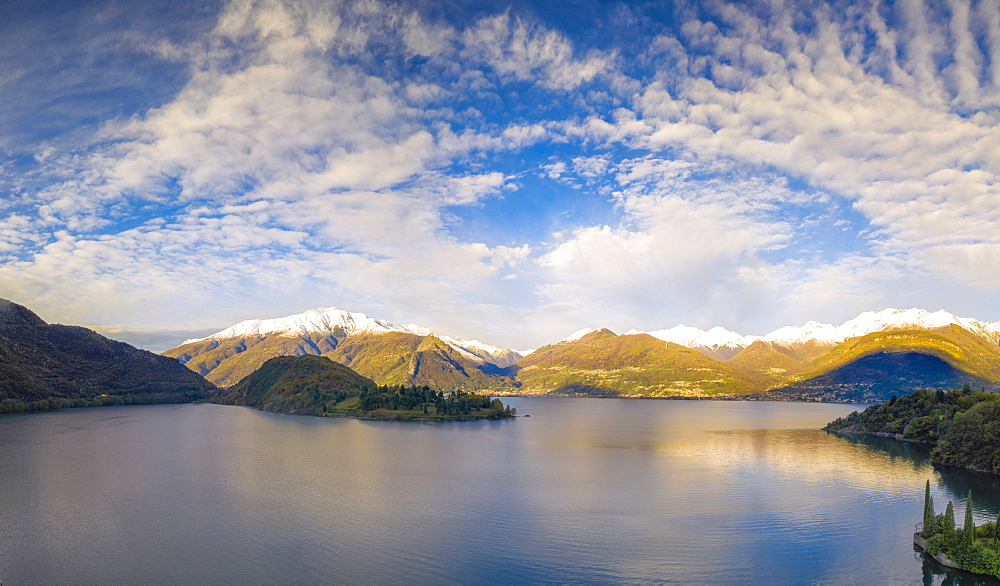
314,385
963,425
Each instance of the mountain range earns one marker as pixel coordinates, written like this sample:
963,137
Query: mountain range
867,358
388,353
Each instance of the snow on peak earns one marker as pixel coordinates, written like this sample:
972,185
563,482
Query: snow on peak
330,320
578,334
872,321
323,320
480,352
811,330
715,338
866,323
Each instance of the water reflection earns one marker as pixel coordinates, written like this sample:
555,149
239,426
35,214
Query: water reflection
810,455
583,491
953,483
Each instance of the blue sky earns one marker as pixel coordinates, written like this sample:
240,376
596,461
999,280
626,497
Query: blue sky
508,172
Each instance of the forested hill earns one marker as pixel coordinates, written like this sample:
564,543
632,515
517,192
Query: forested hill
316,385
963,425
45,366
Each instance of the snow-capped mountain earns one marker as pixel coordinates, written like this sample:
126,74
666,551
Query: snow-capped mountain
323,320
715,338
339,323
719,338
480,352
871,321
578,334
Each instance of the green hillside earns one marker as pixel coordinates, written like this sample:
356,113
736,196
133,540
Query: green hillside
963,425
290,384
602,363
46,366
315,385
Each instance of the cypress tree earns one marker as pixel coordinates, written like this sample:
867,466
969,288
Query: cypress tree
969,528
948,531
928,529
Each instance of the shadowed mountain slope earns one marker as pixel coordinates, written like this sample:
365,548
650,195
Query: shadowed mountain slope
296,384
44,366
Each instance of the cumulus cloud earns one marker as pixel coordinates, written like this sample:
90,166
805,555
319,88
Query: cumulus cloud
686,244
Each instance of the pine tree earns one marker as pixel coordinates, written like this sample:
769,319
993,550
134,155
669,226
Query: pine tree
928,529
948,531
969,528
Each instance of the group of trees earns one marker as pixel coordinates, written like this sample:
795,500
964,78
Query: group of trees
428,402
104,400
962,424
976,549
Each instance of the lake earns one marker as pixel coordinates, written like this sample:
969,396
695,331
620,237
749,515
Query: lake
584,490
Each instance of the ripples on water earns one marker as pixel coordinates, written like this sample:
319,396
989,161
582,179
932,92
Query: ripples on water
585,490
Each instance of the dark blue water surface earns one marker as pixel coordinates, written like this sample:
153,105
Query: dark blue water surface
584,490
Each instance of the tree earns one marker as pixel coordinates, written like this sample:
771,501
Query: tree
928,529
969,528
948,531
996,533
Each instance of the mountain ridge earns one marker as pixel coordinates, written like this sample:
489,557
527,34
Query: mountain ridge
867,322
799,361
334,321
48,366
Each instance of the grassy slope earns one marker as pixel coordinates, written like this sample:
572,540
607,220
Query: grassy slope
636,365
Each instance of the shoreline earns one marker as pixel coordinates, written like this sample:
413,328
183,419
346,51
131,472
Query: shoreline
943,559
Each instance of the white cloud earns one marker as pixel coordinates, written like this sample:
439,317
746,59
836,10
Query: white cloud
521,52
323,153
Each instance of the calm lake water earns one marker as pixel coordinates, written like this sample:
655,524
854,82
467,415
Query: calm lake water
585,490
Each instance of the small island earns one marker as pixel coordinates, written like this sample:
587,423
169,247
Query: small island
315,385
963,425
973,549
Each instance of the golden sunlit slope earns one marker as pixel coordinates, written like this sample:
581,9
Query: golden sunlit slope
389,358
953,344
602,363
876,366
766,364
399,358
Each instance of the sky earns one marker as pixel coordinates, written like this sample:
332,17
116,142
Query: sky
502,171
